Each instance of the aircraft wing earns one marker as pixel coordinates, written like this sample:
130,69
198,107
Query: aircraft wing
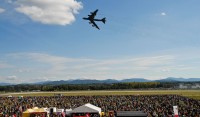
95,25
93,14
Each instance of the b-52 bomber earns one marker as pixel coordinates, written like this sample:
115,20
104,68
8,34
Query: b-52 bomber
92,19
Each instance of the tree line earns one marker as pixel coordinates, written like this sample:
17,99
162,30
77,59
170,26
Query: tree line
73,87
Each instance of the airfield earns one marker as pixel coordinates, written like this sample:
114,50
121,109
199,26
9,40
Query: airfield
195,94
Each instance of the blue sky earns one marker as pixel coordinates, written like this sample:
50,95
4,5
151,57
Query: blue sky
49,40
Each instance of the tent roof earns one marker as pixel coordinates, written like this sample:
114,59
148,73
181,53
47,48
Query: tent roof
29,111
39,110
93,107
35,110
87,108
10,96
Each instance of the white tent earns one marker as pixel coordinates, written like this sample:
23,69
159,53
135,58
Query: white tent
68,111
94,107
10,96
87,108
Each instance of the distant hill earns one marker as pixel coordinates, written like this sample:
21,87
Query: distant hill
109,81
83,81
167,80
5,84
135,80
172,79
93,81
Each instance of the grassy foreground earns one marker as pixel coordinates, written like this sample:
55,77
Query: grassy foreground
188,93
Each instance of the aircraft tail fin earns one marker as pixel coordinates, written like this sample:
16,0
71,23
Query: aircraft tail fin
103,20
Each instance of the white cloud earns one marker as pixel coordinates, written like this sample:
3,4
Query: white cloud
63,63
113,68
154,61
13,77
139,63
57,12
56,64
163,14
2,10
53,67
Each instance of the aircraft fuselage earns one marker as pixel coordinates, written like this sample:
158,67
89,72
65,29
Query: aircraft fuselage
92,19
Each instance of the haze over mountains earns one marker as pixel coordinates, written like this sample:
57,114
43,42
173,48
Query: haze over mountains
109,81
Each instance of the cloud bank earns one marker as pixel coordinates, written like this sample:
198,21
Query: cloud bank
32,67
58,67
13,77
56,12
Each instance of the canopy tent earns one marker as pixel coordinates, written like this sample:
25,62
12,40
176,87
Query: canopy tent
87,108
94,107
84,109
40,110
10,96
35,108
32,111
27,113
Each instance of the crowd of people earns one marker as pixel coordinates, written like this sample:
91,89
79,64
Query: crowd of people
153,105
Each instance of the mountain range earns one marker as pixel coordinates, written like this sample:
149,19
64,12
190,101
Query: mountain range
5,84
109,81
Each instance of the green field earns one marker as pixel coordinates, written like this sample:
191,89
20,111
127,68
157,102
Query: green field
188,93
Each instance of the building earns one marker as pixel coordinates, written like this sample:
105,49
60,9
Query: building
196,86
189,86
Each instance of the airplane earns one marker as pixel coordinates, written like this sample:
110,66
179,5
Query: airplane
92,19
